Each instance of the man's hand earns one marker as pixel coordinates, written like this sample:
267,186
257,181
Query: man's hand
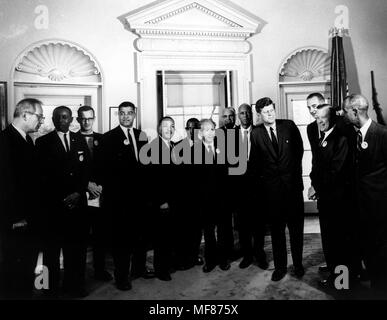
94,190
20,225
164,207
312,195
72,200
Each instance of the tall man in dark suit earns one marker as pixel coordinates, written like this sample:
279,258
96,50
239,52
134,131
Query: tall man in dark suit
370,162
19,201
124,198
64,158
276,153
86,118
331,180
251,223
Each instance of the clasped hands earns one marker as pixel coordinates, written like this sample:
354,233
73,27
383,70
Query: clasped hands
94,190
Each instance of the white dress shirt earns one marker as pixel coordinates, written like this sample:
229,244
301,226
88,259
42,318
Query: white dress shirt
61,136
365,128
131,132
274,129
246,134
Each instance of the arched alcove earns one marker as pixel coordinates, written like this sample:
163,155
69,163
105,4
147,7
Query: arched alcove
57,72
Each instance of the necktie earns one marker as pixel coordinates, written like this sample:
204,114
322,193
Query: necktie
29,140
359,140
246,141
211,150
274,140
131,145
322,136
66,142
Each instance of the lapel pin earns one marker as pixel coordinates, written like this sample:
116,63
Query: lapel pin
364,145
287,141
126,142
324,144
96,143
217,151
81,158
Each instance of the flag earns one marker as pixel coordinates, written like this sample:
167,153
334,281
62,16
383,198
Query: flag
339,86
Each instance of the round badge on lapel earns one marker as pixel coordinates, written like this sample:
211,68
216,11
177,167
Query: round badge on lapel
364,145
126,142
217,151
96,143
81,158
324,144
287,141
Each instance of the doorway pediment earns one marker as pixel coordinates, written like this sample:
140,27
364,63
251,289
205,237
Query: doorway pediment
200,19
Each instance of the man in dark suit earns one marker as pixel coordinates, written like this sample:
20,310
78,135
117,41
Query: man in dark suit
276,153
64,159
370,162
166,222
100,238
190,233
228,129
250,221
19,201
124,198
331,180
210,173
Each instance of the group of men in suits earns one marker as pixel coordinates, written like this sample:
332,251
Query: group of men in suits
122,187
348,181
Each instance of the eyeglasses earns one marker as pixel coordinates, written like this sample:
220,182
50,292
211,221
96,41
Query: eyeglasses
39,116
86,119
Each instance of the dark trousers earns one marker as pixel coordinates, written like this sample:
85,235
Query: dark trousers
100,237
251,236
163,241
288,213
217,226
19,250
70,236
335,236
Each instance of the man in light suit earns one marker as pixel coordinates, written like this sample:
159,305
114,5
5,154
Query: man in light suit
64,159
276,153
369,143
124,195
100,238
19,201
330,178
250,220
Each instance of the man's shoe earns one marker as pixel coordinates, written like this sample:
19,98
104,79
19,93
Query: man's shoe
326,283
225,266
246,262
299,271
148,274
278,274
323,269
103,276
165,276
262,264
124,285
199,261
208,268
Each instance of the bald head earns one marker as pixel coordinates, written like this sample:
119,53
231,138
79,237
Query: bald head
356,109
228,117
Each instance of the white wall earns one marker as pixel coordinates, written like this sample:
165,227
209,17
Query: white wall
291,24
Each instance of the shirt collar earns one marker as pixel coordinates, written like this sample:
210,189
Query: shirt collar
168,143
249,129
365,127
327,133
61,134
125,130
22,133
271,126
